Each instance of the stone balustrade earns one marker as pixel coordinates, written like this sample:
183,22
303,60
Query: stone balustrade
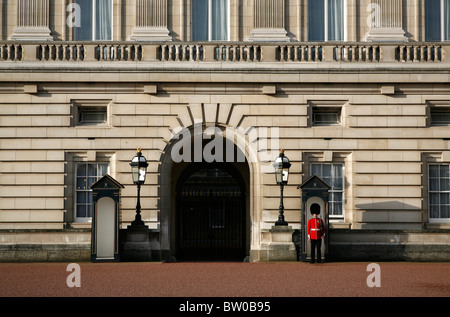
362,52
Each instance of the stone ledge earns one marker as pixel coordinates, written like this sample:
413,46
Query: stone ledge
44,253
366,252
45,230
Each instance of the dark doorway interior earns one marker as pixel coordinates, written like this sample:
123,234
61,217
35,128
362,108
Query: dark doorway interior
211,213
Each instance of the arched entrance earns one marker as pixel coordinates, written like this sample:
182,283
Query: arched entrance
211,213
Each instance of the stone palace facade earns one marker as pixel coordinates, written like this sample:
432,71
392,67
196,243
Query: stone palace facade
355,91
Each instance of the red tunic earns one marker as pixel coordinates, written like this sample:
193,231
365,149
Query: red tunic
316,228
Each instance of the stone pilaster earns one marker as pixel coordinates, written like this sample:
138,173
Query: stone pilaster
151,21
269,21
32,21
386,21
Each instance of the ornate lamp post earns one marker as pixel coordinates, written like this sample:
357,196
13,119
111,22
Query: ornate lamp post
281,166
138,171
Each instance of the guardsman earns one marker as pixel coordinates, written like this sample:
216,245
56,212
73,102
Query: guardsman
316,233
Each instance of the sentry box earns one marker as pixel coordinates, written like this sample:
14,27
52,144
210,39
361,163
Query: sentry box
105,220
314,191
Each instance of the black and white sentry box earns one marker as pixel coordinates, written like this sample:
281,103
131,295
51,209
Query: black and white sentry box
105,220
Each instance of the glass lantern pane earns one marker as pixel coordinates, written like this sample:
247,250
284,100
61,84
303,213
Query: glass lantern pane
142,172
285,175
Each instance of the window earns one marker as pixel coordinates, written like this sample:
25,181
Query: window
439,192
324,116
96,20
437,20
440,116
210,20
92,115
326,20
86,175
90,112
333,175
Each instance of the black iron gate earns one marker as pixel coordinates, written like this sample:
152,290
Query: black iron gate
211,217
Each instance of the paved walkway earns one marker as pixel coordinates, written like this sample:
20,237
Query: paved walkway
292,279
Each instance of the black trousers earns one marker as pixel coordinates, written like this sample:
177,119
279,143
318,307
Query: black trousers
316,245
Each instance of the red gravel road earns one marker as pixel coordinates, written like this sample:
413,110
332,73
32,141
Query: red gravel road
292,279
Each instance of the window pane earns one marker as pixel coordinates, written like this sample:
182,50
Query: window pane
199,20
82,198
335,20
219,20
444,171
444,199
337,170
102,170
81,170
89,211
316,169
103,20
81,211
434,184
337,209
84,31
81,182
337,183
432,20
445,211
434,199
92,170
90,181
316,20
326,171
434,211
444,184
434,170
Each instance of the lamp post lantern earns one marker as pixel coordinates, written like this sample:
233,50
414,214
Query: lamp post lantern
138,171
281,166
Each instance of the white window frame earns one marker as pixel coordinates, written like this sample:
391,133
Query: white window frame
326,20
330,216
76,190
436,220
210,21
94,11
442,21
